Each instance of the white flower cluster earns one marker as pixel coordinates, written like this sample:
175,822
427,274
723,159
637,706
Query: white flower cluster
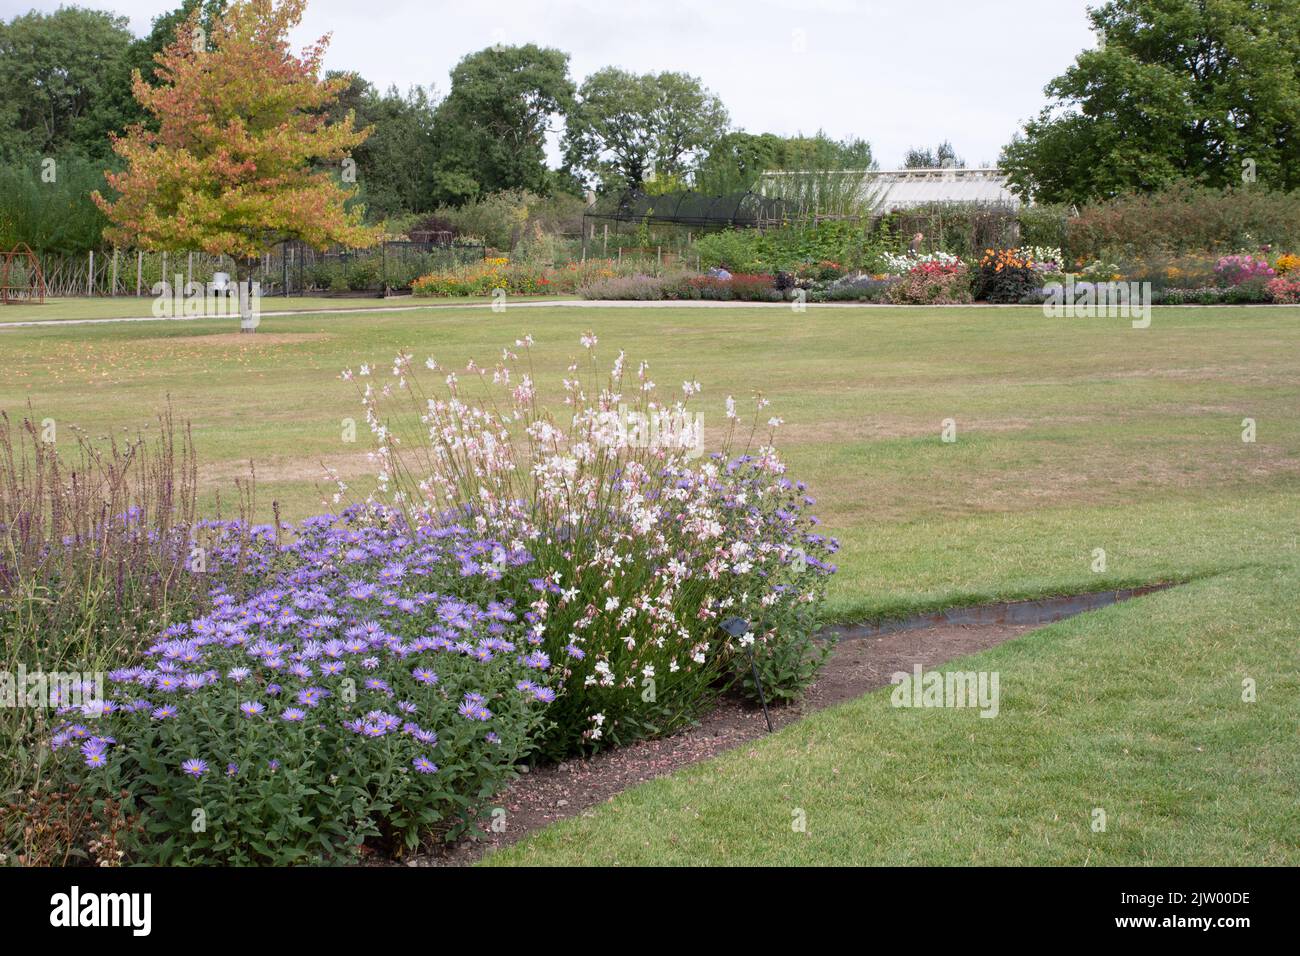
903,264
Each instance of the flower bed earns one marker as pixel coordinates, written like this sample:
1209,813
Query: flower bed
642,545
516,589
376,688
1234,270
520,278
933,283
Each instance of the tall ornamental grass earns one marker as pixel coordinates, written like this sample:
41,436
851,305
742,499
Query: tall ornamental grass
101,546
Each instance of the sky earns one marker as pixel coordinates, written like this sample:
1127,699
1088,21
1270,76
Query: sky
897,73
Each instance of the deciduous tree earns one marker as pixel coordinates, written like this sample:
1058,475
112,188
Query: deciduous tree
243,156
1201,89
627,128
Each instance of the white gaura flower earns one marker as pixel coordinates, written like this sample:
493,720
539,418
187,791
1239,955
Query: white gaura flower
731,408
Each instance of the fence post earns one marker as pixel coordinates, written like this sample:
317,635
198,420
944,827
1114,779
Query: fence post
112,289
90,275
604,249
139,272
165,278
189,269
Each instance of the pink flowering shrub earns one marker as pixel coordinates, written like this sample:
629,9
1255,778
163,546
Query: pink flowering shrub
1234,270
933,283
642,544
1285,290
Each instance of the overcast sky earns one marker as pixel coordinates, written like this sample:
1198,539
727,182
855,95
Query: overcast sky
897,73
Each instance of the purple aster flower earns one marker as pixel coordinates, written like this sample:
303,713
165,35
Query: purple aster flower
195,768
424,765
96,759
474,711
424,676
164,713
293,714
312,696
251,708
538,659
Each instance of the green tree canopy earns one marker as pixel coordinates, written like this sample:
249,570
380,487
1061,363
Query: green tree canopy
490,132
926,158
626,128
395,165
59,77
1199,89
739,159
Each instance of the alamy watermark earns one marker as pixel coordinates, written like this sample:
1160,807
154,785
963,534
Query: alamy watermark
217,299
55,689
1091,300
668,429
974,689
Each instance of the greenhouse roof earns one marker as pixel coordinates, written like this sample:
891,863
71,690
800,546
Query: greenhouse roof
909,188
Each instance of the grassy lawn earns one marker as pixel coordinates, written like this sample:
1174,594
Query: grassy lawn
1135,710
131,307
1071,435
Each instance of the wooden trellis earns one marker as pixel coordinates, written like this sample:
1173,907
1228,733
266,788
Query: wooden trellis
31,288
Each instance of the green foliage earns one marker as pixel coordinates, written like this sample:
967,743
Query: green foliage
503,219
787,667
61,76
56,216
626,129
1180,88
489,134
1186,218
961,229
738,159
1043,225
943,157
396,164
849,244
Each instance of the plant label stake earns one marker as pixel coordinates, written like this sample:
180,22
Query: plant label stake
738,627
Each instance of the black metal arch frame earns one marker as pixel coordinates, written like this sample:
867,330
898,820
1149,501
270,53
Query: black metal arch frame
744,209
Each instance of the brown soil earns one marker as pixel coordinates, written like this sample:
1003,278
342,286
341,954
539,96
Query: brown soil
245,340
857,666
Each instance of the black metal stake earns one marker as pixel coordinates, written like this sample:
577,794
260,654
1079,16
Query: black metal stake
737,627
753,666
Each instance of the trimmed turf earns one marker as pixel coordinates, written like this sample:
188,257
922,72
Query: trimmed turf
1072,436
1135,711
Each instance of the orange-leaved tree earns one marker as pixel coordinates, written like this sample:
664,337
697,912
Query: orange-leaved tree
243,156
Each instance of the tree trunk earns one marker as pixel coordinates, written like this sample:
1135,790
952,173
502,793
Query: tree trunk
248,322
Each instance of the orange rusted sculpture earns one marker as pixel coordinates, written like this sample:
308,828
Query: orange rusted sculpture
32,287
